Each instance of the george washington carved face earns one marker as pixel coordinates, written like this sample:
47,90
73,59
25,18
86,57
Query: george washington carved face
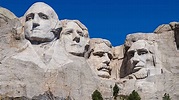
40,20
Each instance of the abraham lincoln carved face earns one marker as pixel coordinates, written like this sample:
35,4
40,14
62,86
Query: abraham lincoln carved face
141,59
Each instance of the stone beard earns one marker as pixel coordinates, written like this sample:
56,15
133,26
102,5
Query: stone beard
74,38
140,59
40,20
100,55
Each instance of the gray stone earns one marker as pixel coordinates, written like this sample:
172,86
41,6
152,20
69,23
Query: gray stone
163,28
53,70
40,21
74,37
99,57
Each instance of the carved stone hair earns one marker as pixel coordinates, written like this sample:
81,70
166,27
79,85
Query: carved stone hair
95,41
82,26
43,5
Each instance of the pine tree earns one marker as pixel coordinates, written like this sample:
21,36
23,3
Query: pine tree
134,96
115,91
166,97
97,95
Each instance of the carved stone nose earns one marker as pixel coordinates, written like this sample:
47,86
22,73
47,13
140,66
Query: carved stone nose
77,39
135,59
135,62
35,25
107,63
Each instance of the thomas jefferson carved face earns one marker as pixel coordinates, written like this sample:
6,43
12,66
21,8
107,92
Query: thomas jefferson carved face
140,59
100,56
74,38
40,19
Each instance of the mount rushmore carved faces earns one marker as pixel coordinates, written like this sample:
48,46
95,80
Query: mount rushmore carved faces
74,37
141,59
99,57
40,20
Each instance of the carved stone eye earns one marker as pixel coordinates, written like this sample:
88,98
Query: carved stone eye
110,56
130,54
100,54
80,33
43,16
68,32
29,17
142,52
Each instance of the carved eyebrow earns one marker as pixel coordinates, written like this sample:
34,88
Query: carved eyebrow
79,31
67,31
131,51
30,14
143,49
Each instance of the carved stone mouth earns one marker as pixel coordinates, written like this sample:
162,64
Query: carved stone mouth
106,69
76,45
35,29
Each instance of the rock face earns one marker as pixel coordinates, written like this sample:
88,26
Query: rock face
74,37
42,57
99,56
40,20
165,55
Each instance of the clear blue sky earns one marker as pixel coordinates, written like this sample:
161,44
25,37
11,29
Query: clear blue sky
108,19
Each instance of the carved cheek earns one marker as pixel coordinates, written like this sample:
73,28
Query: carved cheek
83,40
45,25
131,61
66,38
28,27
28,24
149,59
143,60
94,61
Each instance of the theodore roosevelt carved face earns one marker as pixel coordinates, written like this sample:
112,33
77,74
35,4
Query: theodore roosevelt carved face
40,20
99,57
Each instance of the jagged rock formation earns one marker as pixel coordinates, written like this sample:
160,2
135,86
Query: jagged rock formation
42,57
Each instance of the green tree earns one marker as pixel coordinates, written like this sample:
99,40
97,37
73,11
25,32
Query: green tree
166,97
97,95
115,91
134,96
